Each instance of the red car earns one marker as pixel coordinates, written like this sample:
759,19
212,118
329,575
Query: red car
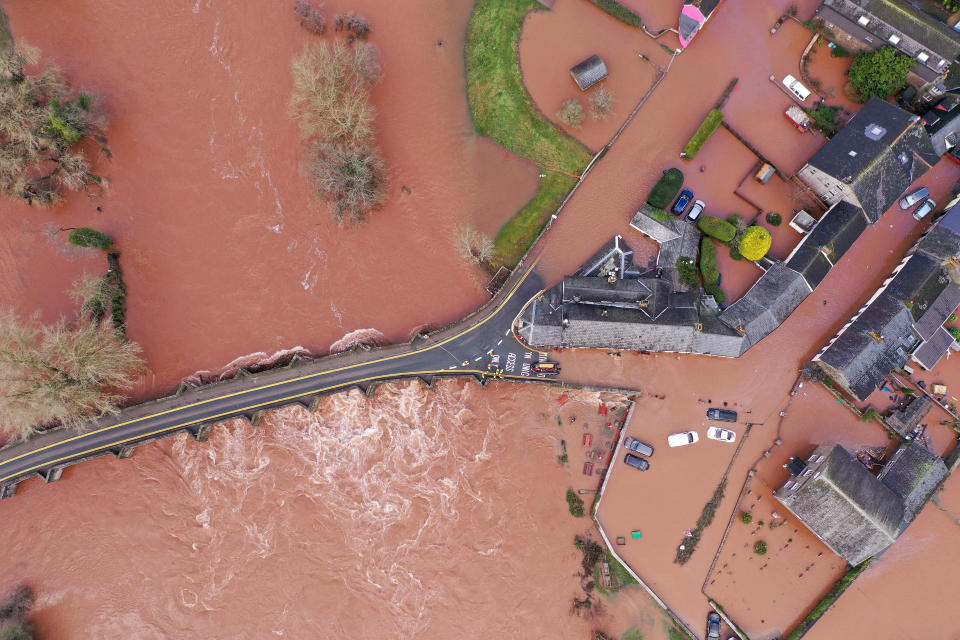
550,368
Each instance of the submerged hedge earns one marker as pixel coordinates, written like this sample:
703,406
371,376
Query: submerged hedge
827,601
710,124
717,228
708,262
620,12
666,189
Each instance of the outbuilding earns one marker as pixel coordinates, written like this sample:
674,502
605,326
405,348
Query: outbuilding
589,72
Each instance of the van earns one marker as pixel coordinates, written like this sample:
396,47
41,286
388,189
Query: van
796,88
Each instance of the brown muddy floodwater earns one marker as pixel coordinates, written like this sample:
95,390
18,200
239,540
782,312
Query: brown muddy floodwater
218,231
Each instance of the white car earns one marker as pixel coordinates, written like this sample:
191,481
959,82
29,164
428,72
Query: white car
682,439
795,87
721,434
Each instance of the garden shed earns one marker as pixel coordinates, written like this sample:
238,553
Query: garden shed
589,72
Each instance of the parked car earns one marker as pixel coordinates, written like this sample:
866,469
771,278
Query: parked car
696,210
721,434
636,445
722,414
550,368
924,209
795,87
798,117
685,197
913,198
683,438
636,462
713,626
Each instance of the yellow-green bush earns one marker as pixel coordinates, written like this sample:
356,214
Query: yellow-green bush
755,243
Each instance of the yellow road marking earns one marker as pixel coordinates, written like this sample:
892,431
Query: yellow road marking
259,388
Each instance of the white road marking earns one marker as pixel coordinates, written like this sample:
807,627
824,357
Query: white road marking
452,367
527,355
525,369
477,358
500,342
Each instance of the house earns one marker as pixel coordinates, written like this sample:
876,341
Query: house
872,160
767,304
611,303
589,72
855,513
904,420
904,320
693,15
871,24
827,242
943,124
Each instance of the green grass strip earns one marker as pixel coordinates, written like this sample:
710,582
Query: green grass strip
503,110
710,124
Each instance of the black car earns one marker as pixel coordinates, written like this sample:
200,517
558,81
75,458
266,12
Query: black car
636,462
637,446
713,626
722,414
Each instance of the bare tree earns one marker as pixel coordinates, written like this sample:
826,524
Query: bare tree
353,177
311,18
61,374
331,84
601,103
41,122
571,113
473,245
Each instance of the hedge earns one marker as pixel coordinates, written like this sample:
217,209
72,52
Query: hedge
620,12
710,124
708,261
666,189
827,601
87,237
715,291
717,228
755,243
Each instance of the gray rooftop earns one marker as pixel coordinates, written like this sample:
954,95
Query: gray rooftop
767,304
872,346
938,312
659,230
847,507
589,72
942,241
828,241
913,473
930,352
879,153
904,420
944,132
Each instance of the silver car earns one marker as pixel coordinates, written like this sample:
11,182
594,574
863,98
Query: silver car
697,209
913,198
924,209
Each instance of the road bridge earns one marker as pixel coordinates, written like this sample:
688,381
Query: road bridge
482,346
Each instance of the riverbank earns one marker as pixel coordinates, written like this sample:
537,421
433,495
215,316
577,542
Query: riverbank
503,110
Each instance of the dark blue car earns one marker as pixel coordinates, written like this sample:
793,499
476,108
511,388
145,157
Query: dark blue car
683,201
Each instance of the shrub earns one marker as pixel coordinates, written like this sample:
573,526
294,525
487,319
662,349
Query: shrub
955,332
620,12
880,73
717,228
708,261
571,113
687,271
659,214
601,103
710,124
737,221
839,52
755,243
356,26
715,291
311,19
760,548
574,503
87,237
666,189
825,120
774,218
952,317
735,254
351,176
746,517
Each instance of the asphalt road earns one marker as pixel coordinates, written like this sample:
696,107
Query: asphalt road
482,345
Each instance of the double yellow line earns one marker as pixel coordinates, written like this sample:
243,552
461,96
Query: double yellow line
234,412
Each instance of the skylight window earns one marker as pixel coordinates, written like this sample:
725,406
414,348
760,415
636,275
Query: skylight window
863,21
852,153
894,39
874,131
922,57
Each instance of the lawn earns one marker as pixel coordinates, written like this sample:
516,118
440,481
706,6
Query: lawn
503,110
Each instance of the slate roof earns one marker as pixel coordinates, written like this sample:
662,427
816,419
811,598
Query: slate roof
945,131
589,72
938,312
864,360
600,263
913,473
767,304
828,241
908,21
918,284
877,170
942,241
655,229
930,352
904,420
847,507
585,290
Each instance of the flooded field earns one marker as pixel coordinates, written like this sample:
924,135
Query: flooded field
216,227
